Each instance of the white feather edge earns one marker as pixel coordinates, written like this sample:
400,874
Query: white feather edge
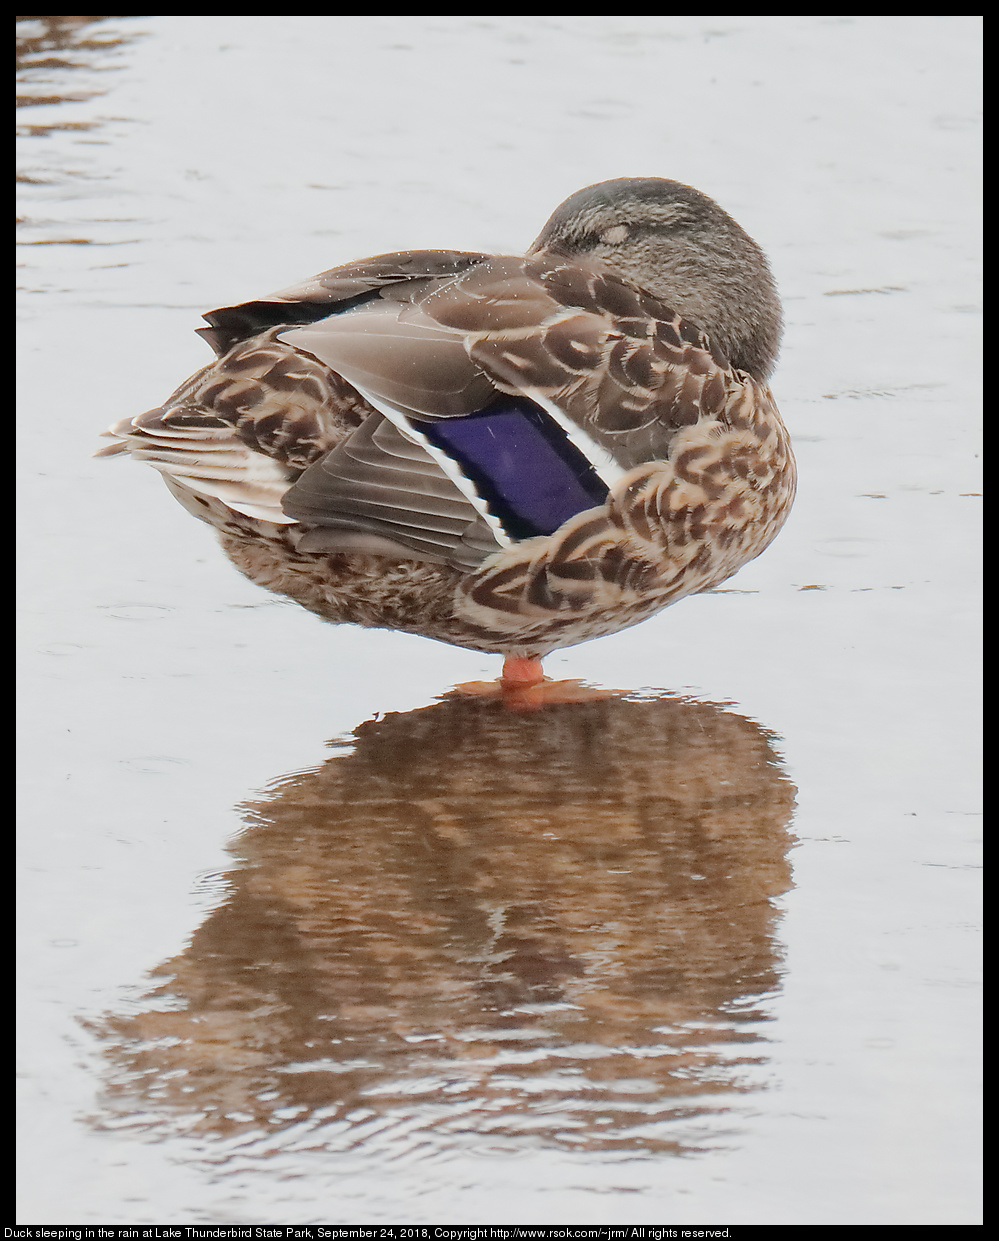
467,488
606,467
601,460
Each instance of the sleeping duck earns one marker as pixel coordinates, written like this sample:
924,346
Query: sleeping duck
512,454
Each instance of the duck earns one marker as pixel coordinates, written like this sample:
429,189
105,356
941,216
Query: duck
512,454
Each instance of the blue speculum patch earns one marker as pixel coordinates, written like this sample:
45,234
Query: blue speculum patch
531,476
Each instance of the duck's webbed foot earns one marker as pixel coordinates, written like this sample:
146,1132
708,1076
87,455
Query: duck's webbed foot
524,687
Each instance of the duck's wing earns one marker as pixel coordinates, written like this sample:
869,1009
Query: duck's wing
601,356
602,376
386,489
382,493
626,369
330,292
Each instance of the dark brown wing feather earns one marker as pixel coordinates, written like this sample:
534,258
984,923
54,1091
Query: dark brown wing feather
380,483
328,292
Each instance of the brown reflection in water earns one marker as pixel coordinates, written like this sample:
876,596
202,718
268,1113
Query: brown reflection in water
50,51
479,925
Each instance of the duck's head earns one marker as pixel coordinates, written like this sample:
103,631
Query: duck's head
683,248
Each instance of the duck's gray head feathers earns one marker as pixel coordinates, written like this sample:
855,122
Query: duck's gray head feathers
682,247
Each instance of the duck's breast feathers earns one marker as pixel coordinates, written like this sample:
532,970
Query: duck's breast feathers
330,292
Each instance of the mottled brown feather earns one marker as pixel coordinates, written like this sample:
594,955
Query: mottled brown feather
371,534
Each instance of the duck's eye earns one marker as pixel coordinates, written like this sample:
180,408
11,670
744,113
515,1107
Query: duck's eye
614,235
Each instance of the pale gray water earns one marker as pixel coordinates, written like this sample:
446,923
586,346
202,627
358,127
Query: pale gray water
528,978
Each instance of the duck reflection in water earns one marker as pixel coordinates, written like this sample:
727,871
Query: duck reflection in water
477,928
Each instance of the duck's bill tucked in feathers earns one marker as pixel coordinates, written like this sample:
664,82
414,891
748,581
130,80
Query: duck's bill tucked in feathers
568,450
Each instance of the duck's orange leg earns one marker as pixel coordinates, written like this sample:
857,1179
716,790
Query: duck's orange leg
519,673
523,687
